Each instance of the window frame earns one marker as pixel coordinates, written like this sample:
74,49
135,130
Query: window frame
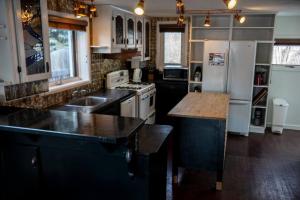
159,46
83,57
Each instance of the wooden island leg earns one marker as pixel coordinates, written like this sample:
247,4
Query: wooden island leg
219,183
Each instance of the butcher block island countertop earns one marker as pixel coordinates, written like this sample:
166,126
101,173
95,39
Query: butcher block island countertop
206,105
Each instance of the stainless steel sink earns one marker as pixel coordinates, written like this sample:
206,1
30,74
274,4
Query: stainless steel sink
88,104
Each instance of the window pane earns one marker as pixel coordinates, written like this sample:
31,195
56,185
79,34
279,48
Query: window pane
62,54
286,55
172,48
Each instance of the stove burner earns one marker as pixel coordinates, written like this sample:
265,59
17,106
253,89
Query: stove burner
129,87
139,83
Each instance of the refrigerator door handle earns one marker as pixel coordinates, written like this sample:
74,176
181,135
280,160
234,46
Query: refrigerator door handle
228,77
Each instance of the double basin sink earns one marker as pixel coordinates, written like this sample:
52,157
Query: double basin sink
89,104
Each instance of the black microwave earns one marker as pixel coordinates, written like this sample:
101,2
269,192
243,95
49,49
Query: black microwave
175,73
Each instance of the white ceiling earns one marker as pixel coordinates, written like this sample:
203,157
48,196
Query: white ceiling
167,7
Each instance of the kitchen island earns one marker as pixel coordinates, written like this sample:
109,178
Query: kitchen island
200,137
50,154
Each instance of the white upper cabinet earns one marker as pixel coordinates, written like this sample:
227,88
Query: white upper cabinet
147,38
139,33
115,29
24,46
119,30
130,32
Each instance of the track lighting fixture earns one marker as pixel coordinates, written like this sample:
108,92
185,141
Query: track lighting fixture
139,9
230,4
179,7
82,9
180,20
180,12
207,21
240,18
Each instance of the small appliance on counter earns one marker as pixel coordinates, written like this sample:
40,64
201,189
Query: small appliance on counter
136,64
137,75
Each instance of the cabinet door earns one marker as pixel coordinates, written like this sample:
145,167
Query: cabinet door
130,32
20,171
8,50
139,33
147,39
32,37
118,30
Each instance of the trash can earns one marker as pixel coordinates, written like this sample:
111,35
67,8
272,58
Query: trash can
280,108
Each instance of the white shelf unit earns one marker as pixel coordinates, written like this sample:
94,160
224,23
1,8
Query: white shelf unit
262,70
257,27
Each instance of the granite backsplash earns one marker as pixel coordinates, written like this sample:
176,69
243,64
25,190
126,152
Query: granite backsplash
99,68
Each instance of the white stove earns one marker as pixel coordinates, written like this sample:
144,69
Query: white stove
145,94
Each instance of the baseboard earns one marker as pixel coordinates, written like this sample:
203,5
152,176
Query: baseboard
287,126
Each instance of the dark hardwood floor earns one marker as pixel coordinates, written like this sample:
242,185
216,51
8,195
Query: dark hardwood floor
258,167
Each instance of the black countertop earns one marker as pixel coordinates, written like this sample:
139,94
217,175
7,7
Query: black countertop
112,94
152,137
102,128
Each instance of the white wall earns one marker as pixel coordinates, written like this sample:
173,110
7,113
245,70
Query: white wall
285,81
287,27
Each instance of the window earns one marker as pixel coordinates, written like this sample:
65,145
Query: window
171,44
69,52
172,48
63,55
286,54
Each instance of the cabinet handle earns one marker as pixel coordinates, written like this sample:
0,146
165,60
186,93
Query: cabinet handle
34,161
47,66
137,41
127,41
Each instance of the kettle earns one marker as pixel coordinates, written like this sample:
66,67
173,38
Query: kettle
137,75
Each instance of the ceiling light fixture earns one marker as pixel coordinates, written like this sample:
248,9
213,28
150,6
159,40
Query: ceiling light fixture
139,9
240,18
179,7
82,9
180,12
180,20
230,4
207,21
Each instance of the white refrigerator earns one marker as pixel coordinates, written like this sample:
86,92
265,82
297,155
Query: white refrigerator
229,67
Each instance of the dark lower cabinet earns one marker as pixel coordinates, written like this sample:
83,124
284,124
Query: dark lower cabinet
48,167
20,171
168,95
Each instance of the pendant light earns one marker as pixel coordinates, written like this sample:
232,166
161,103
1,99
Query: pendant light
230,4
180,20
207,21
179,7
139,9
240,18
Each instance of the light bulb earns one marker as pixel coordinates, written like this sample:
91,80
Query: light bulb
139,9
230,3
242,19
